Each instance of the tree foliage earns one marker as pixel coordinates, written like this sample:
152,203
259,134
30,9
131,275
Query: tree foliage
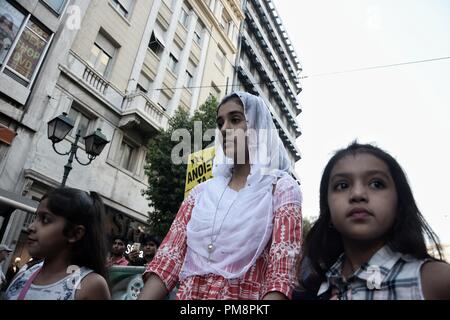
167,180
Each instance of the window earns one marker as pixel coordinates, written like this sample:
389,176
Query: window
218,10
126,155
184,17
163,100
156,45
99,59
234,33
170,3
56,5
220,58
173,62
82,123
215,91
23,44
256,76
9,27
123,6
102,53
190,71
246,59
143,83
188,81
225,21
198,32
191,66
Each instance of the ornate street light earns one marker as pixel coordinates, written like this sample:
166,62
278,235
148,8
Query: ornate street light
59,127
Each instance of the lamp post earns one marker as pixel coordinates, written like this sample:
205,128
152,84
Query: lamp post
59,127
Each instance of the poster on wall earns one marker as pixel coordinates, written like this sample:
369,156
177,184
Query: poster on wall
10,21
28,50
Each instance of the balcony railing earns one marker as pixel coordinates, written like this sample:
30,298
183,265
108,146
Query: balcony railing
152,117
95,80
83,73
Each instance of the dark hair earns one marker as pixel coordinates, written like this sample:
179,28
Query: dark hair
323,244
123,239
232,97
80,208
146,238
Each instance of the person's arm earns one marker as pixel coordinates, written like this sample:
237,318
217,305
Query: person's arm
436,280
286,241
275,296
162,272
93,287
154,289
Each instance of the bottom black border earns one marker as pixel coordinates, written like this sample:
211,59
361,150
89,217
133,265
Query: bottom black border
239,310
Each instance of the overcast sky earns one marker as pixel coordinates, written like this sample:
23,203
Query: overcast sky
404,109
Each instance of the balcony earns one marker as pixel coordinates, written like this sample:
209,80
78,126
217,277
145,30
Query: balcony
82,73
195,53
180,35
141,113
286,135
164,15
151,63
169,83
186,97
274,86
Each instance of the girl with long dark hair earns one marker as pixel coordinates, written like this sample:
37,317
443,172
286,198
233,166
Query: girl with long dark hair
369,240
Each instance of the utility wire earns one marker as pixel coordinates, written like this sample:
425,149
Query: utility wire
218,86
373,67
313,75
321,74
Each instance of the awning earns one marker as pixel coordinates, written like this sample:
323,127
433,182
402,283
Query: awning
159,36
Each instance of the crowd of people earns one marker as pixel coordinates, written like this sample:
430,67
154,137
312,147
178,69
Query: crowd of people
238,235
135,256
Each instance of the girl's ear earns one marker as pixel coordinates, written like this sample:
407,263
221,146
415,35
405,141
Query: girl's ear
76,233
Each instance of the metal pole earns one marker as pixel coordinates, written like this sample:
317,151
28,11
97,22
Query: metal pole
16,204
73,151
226,88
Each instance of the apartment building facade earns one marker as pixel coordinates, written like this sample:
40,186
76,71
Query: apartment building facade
267,65
190,54
123,66
33,33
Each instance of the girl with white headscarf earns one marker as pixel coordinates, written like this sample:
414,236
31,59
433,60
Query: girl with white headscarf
237,235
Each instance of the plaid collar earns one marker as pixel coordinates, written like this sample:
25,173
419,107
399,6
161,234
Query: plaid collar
373,272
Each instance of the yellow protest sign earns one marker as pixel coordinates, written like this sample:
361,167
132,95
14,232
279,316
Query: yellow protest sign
199,168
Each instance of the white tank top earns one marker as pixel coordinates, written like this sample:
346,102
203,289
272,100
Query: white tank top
63,289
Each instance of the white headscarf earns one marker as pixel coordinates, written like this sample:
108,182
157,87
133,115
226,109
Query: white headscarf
243,221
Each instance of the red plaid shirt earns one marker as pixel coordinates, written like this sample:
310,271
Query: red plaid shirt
274,270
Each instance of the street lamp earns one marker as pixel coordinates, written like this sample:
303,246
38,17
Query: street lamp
59,127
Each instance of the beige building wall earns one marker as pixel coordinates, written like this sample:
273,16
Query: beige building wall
214,74
176,25
125,33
